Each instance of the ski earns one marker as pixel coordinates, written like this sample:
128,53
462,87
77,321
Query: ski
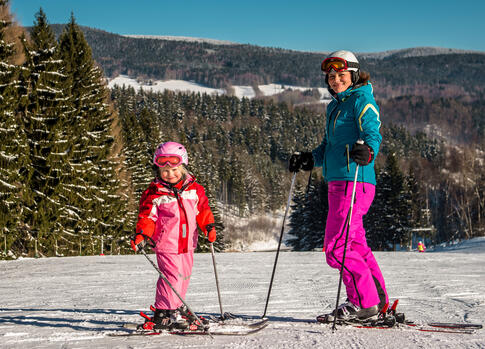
227,331
233,322
455,325
214,330
243,323
388,318
444,327
406,326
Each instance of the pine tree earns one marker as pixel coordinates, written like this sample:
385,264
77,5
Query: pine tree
42,105
94,208
388,217
14,158
375,221
416,200
297,222
308,218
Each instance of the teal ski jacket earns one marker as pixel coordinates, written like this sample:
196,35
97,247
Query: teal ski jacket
352,115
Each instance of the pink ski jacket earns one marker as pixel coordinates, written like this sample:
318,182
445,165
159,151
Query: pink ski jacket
170,215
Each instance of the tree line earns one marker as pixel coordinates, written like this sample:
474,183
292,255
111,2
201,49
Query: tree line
75,156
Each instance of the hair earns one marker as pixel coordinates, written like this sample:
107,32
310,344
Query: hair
363,78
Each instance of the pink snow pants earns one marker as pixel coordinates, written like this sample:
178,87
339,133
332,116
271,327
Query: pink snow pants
361,275
177,268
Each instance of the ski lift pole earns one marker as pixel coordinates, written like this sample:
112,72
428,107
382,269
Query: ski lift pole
347,226
170,285
279,243
217,280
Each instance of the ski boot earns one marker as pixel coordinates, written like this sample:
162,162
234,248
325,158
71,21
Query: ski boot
348,312
166,319
163,319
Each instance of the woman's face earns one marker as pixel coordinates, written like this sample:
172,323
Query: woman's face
171,175
339,81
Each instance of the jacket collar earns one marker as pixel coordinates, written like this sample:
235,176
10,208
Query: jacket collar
179,186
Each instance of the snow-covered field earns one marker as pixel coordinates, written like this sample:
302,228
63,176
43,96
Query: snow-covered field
74,302
186,86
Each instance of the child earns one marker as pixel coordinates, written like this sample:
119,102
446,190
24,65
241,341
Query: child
170,210
421,247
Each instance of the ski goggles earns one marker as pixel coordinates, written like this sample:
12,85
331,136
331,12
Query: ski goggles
170,160
338,64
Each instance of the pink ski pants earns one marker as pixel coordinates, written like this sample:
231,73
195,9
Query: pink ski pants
361,275
177,268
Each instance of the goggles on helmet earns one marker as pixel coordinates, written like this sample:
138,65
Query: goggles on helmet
338,64
170,160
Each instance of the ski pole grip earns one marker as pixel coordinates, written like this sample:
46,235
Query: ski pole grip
148,239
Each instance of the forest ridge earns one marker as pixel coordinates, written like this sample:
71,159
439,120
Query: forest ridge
434,71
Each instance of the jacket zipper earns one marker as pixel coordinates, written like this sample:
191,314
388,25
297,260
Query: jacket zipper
328,133
335,121
184,226
348,157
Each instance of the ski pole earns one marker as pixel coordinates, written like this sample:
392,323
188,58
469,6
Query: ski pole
349,219
170,285
217,280
279,243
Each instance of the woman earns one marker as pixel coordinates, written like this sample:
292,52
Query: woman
352,116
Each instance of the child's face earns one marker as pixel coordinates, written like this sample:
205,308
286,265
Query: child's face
171,175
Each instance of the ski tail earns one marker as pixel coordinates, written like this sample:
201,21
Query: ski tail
455,325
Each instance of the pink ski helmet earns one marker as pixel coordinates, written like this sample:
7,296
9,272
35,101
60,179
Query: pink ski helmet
170,153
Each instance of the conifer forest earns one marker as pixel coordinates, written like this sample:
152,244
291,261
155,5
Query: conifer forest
75,156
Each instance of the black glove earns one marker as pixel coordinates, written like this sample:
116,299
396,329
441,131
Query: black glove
362,154
300,160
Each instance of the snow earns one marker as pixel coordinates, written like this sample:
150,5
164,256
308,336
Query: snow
183,38
181,85
74,302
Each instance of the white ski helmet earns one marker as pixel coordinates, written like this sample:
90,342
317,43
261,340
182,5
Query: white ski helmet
170,153
341,60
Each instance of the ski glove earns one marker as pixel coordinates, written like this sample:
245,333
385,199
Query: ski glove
138,242
210,232
301,161
362,154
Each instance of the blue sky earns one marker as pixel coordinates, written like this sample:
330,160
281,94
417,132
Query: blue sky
313,25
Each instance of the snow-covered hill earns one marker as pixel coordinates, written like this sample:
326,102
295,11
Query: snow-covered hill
183,38
74,302
187,86
414,52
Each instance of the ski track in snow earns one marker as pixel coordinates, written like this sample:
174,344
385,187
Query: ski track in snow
75,302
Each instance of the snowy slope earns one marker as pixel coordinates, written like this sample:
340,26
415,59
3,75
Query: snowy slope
73,302
183,38
186,86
